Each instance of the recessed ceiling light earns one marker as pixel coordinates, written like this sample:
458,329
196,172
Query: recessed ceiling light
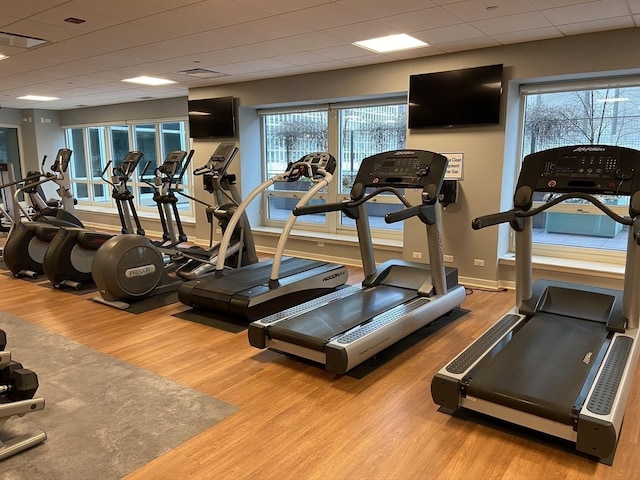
38,98
391,43
143,80
2,57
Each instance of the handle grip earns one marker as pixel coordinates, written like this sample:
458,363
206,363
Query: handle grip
322,208
400,215
493,219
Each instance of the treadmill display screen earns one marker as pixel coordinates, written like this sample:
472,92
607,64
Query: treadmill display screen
589,169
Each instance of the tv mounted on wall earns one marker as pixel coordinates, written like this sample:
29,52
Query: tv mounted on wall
469,96
212,117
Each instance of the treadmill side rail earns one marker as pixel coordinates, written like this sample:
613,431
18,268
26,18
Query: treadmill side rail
446,386
351,348
600,420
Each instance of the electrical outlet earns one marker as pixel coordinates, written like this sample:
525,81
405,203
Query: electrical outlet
478,262
417,254
321,244
448,258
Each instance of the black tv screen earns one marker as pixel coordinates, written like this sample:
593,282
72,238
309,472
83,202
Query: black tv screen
469,96
212,117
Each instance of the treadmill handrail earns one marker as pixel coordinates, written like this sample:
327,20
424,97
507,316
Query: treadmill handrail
510,215
347,204
284,236
235,218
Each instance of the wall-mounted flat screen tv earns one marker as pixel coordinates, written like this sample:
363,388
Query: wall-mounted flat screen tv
469,96
212,117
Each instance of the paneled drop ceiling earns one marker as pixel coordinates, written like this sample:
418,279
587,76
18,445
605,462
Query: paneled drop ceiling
92,45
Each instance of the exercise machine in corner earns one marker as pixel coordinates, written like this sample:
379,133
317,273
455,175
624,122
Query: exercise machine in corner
130,268
344,328
68,260
563,360
257,290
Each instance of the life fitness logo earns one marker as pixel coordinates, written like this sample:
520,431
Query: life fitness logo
590,149
140,271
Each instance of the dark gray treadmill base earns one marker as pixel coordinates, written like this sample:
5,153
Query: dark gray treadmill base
232,294
543,368
314,328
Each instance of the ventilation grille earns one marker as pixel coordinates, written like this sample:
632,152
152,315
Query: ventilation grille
202,73
22,41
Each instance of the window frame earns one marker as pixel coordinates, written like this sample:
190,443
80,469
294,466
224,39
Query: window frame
185,205
571,252
333,224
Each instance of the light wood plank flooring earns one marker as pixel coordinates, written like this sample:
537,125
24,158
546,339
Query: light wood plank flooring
297,421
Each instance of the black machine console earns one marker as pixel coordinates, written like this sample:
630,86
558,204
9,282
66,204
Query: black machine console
590,169
172,163
61,163
130,163
418,169
310,164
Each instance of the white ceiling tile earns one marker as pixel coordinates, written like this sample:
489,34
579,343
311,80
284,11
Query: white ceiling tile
544,4
512,23
472,10
302,58
361,31
421,20
277,7
255,39
384,8
50,33
587,12
325,16
453,33
344,51
596,25
527,35
635,6
310,41
264,64
470,44
270,28
220,13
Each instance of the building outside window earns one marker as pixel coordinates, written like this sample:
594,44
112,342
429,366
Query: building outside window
95,146
351,133
580,114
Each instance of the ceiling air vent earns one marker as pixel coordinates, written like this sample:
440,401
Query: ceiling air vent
22,41
202,73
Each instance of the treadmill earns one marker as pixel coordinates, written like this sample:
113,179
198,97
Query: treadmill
562,361
255,291
344,328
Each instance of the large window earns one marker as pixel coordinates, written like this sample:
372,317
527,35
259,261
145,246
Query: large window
556,116
351,133
94,146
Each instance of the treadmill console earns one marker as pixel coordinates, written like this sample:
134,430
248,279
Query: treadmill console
591,169
309,165
419,169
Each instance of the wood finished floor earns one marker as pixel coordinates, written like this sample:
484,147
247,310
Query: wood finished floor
297,421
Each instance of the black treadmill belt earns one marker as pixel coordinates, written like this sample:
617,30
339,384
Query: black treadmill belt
312,329
253,275
543,368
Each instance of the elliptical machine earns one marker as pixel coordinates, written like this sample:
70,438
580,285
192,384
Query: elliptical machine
67,262
29,240
130,268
